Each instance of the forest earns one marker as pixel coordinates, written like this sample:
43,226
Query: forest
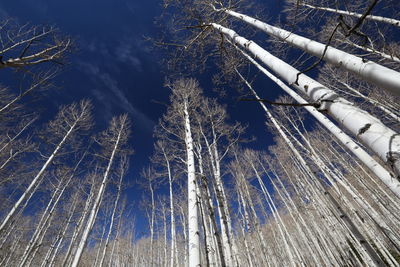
325,192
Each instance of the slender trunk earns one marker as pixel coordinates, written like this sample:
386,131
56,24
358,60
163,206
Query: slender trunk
381,76
245,227
79,227
393,22
44,222
52,253
205,228
165,245
221,200
194,238
100,243
281,226
116,239
103,255
206,196
374,51
152,218
96,205
329,174
349,224
171,206
185,239
360,238
356,196
347,141
47,216
373,102
36,179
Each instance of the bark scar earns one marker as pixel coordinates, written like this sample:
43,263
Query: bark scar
391,158
364,128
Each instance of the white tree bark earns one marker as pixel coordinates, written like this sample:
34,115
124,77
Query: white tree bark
193,237
79,226
281,225
171,206
215,244
374,51
98,199
390,21
44,222
35,179
381,76
329,174
119,186
47,216
369,130
245,227
117,235
221,199
346,140
185,239
50,258
152,220
345,218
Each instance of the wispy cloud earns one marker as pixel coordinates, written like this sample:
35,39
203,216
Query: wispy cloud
125,52
110,94
128,49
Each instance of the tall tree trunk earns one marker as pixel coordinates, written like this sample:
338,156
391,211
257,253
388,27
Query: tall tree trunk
361,154
103,255
393,22
96,205
79,226
381,76
193,237
171,206
36,179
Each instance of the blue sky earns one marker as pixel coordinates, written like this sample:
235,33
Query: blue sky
113,64
119,70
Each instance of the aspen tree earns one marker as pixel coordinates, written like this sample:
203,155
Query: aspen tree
113,142
36,44
52,253
218,137
382,173
44,222
177,123
91,180
330,175
118,233
357,121
69,120
39,81
214,244
65,177
339,108
149,176
390,21
164,159
348,222
121,173
381,76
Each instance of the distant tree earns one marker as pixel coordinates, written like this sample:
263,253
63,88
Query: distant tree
113,142
69,120
212,16
177,123
24,45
